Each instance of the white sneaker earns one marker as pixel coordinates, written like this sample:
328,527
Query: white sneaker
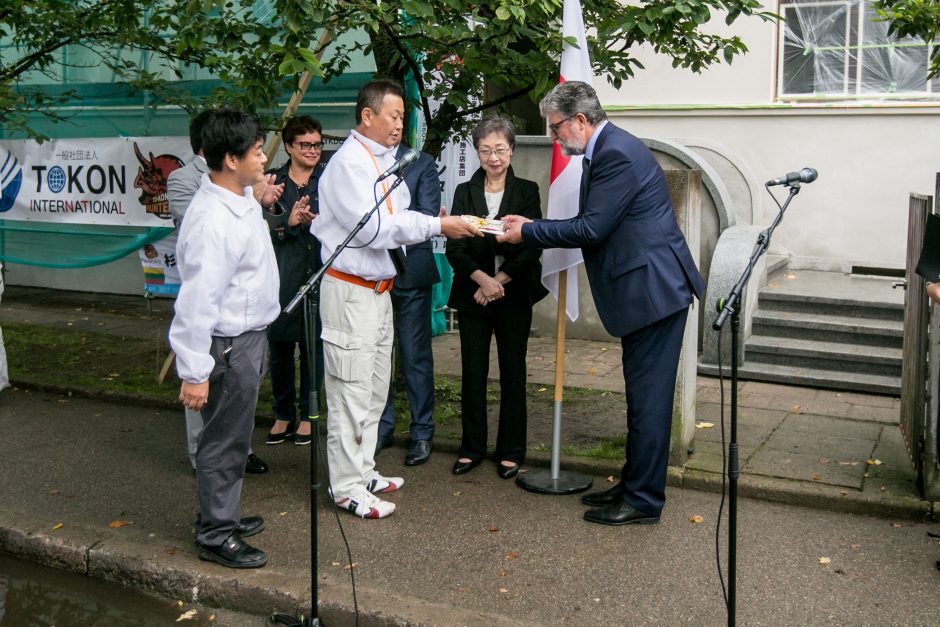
365,505
384,485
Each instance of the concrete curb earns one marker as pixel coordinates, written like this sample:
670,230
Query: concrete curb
143,563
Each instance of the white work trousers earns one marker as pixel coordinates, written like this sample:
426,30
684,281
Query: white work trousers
357,351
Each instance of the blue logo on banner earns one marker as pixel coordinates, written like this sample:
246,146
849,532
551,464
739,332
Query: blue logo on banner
56,179
11,177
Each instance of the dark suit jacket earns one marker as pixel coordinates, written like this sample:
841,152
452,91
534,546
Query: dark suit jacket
521,197
425,187
296,249
636,258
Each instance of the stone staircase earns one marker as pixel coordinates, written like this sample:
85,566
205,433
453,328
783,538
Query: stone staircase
826,329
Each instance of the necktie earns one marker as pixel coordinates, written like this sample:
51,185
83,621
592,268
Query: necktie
585,175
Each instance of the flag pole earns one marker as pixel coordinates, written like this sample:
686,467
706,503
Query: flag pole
554,481
560,324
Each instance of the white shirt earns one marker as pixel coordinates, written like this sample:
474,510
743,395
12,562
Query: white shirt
493,201
229,276
346,194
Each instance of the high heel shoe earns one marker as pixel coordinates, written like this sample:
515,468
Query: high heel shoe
461,468
277,438
507,472
302,439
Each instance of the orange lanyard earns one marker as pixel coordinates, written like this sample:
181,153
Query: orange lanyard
388,200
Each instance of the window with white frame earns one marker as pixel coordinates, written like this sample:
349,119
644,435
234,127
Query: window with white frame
837,49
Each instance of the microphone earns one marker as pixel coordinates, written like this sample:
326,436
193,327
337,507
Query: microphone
806,175
407,159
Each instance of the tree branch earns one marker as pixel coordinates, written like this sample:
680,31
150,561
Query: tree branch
498,101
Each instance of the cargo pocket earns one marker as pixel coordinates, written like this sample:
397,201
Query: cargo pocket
342,355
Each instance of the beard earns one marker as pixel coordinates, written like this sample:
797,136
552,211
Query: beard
570,149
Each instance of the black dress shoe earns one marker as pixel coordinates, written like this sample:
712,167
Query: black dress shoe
383,443
419,453
619,514
507,472
249,526
461,468
604,497
234,553
255,465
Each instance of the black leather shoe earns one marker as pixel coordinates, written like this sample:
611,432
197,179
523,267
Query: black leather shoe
419,453
461,468
249,526
234,553
604,497
383,443
507,472
255,465
619,514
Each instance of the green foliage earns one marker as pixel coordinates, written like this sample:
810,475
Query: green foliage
914,18
154,46
470,56
453,46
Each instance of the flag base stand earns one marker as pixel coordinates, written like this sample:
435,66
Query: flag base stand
543,482
552,480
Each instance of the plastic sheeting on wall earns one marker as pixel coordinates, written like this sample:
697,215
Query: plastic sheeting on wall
841,49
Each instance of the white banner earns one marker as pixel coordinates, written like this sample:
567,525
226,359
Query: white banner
109,181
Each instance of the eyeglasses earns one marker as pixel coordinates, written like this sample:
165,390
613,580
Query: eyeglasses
499,153
307,146
557,125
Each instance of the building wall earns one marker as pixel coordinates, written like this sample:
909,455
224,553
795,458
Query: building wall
870,154
868,159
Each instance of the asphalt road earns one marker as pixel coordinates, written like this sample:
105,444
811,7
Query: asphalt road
468,550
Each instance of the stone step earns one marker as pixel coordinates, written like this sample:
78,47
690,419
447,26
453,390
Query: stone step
821,355
770,300
829,328
812,377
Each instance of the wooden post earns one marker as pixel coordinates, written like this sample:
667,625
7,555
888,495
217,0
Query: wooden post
275,142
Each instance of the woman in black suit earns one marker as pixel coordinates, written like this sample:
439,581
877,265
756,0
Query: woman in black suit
495,287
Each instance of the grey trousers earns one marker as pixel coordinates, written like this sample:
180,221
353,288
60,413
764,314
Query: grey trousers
229,416
193,429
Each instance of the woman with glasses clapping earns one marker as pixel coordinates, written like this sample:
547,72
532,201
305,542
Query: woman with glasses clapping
298,257
495,287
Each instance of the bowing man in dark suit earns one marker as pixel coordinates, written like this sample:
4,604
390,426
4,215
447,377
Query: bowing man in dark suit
411,303
642,277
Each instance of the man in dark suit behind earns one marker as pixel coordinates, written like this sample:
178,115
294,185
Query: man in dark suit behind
411,301
642,277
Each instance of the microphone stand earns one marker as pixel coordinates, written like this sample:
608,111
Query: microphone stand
309,293
729,307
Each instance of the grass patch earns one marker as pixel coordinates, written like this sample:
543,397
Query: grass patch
613,448
96,363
